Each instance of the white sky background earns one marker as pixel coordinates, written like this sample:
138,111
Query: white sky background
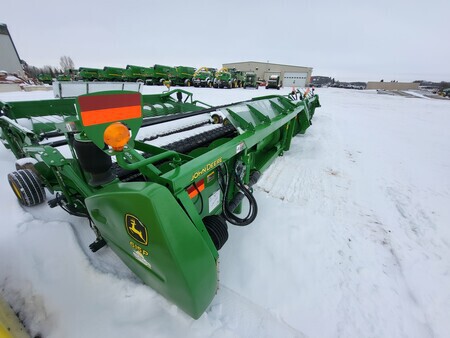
350,40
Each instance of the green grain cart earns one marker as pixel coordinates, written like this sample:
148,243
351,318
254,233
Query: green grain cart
88,74
111,74
182,76
138,74
162,73
163,209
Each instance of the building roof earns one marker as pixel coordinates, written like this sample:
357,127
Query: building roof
269,63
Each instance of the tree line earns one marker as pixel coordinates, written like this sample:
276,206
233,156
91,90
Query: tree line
65,62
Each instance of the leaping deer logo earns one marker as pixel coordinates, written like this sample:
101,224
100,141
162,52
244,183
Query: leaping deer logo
136,229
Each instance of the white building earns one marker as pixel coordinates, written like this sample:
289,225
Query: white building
290,75
9,58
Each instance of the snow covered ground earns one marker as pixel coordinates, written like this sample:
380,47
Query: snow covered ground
352,239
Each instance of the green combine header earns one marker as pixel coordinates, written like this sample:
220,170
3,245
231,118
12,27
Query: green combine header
163,206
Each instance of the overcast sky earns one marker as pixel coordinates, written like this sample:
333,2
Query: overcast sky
349,39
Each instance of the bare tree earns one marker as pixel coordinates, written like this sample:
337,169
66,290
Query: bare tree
66,63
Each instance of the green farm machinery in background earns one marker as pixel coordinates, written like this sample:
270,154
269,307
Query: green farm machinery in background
274,82
250,80
88,74
204,77
239,77
163,209
111,74
69,75
229,78
182,76
162,73
139,74
45,78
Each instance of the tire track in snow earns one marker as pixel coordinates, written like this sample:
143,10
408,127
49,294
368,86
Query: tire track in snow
248,319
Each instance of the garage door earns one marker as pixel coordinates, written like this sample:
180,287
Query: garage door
294,79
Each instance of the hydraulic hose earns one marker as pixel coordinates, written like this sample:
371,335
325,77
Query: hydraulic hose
243,192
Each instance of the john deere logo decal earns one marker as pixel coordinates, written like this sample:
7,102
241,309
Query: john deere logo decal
136,229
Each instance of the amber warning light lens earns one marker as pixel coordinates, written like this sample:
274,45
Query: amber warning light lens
116,136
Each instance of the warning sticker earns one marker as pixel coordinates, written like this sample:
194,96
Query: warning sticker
214,200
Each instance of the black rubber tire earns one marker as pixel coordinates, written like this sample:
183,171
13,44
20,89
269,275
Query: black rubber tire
27,187
217,229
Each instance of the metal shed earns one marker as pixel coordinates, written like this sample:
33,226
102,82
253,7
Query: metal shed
291,75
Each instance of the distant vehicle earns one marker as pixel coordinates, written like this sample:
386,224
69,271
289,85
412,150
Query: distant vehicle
356,87
63,77
88,74
45,78
162,73
68,75
111,74
445,92
204,77
262,83
433,89
229,78
182,76
139,74
250,80
274,82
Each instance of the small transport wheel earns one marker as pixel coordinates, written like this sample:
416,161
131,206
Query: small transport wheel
217,119
27,187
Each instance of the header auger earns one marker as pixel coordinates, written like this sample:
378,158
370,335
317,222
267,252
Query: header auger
157,176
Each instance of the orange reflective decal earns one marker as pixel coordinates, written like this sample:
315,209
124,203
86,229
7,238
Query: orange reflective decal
93,117
194,190
98,109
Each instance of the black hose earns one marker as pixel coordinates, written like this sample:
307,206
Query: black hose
253,206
